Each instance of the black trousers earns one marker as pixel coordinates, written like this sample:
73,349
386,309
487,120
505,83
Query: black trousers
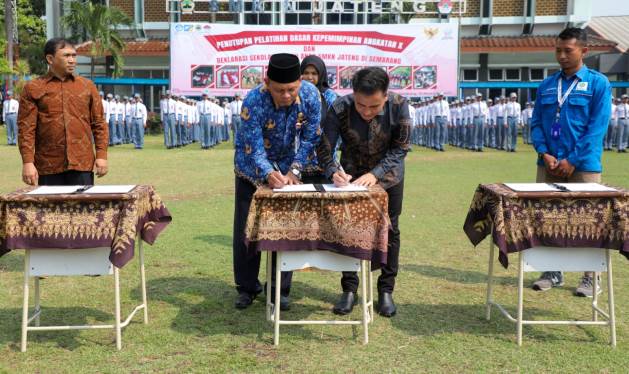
246,263
67,178
386,280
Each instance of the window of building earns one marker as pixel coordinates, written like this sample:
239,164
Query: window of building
496,75
536,74
512,74
470,75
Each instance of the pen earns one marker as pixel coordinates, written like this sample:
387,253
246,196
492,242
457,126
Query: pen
340,167
276,166
83,189
559,187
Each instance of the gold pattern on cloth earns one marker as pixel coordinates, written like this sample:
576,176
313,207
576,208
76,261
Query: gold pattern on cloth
559,219
81,220
348,219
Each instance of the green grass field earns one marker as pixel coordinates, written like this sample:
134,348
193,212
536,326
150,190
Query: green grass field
440,326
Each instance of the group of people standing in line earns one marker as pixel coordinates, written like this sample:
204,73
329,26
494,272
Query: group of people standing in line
126,118
617,135
186,121
472,123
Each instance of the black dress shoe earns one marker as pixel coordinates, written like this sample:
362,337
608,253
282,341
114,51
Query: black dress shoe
243,300
345,304
386,306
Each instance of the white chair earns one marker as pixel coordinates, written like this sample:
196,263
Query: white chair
323,260
539,259
72,262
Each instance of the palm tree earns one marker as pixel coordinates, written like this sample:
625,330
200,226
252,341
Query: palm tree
99,25
21,69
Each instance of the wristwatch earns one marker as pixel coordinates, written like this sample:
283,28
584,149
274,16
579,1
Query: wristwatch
540,156
296,172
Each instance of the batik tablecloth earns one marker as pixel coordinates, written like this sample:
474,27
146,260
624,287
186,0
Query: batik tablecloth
82,221
522,220
349,223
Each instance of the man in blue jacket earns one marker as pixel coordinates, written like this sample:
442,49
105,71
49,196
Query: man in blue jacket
266,153
569,122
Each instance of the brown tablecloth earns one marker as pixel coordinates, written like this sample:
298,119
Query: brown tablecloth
82,221
355,224
559,219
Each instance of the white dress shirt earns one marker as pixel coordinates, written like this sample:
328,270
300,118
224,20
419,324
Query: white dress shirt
9,106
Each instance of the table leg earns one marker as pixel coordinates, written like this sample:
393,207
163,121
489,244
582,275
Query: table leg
25,296
37,303
371,314
490,278
363,297
278,285
117,311
143,281
610,295
520,296
595,298
269,272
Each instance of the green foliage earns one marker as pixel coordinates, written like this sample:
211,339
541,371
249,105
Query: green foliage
99,24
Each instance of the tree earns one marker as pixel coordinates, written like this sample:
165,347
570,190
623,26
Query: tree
31,30
99,25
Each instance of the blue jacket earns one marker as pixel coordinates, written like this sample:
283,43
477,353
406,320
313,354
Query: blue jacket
267,134
584,119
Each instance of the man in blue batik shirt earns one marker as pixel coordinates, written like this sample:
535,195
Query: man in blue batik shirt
274,114
570,119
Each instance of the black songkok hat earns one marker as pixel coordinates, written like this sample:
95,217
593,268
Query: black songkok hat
284,68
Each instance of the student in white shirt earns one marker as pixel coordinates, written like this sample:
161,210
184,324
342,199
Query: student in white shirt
119,113
622,124
105,106
513,112
138,110
610,137
501,123
235,106
10,107
128,120
111,119
526,123
441,111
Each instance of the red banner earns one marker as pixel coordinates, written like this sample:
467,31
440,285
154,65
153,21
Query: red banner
244,39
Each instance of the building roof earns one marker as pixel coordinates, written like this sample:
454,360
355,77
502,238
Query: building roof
475,44
151,47
613,28
524,43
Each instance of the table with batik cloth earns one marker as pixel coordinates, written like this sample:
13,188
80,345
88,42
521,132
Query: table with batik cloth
350,227
78,224
551,231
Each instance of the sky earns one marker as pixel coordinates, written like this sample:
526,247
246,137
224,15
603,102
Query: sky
610,8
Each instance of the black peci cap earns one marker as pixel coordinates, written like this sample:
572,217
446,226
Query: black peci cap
284,68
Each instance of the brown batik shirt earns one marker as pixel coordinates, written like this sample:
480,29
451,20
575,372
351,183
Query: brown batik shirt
61,124
378,146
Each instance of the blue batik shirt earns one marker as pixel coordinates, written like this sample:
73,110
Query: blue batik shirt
268,133
584,119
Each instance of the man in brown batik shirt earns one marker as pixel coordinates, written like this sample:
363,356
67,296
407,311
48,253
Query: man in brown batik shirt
375,126
62,135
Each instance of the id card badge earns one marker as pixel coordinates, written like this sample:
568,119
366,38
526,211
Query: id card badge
555,130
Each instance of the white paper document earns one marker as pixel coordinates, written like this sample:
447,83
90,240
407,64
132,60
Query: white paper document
54,190
348,188
532,187
296,188
587,187
106,189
